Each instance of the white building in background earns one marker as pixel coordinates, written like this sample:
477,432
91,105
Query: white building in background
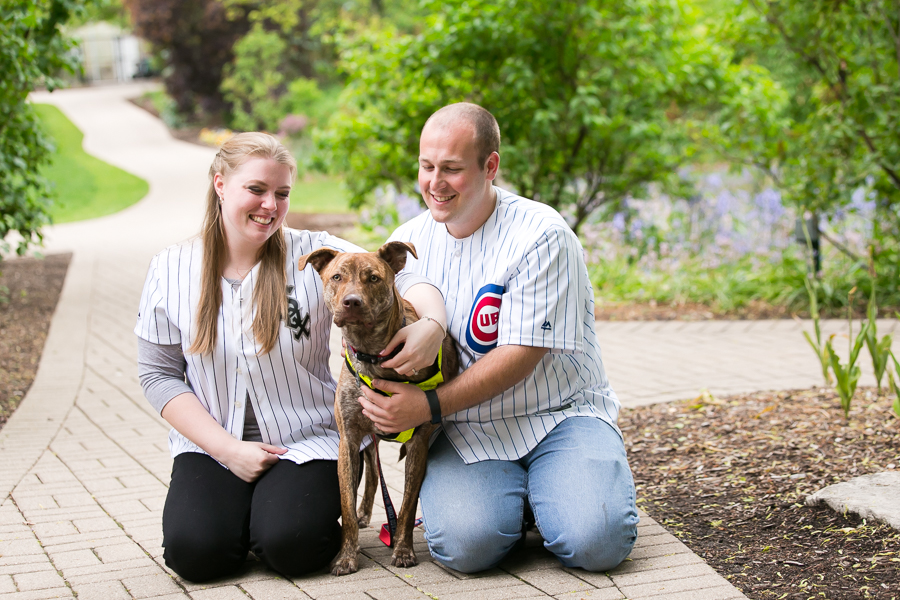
109,53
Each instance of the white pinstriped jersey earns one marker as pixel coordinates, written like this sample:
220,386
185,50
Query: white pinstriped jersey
520,279
291,387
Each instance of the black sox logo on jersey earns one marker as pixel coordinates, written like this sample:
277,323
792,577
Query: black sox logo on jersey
484,322
298,324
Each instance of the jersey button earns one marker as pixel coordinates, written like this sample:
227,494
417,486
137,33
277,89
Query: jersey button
237,404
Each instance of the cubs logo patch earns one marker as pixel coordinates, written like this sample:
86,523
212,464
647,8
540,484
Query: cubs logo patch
484,321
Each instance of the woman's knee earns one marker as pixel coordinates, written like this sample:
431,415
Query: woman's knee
198,556
297,549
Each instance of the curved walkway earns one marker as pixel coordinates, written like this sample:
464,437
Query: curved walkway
84,464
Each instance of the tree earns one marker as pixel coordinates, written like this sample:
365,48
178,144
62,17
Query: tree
195,40
838,133
288,52
594,98
32,53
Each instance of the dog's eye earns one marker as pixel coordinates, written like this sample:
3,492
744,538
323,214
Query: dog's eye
336,277
374,278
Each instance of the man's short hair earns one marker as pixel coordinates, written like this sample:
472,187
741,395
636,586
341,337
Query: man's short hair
487,131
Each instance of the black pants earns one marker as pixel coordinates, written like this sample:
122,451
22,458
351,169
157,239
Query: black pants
288,517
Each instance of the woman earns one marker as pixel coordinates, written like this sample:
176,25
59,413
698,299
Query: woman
233,352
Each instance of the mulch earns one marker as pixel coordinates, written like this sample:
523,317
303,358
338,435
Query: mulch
729,477
29,291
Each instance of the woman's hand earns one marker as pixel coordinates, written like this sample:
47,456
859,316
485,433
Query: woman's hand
421,341
249,460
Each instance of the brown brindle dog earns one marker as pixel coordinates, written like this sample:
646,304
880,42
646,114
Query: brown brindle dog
360,292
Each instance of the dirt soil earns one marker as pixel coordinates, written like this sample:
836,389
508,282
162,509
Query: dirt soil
29,291
729,477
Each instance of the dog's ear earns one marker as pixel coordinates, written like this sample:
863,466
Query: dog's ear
394,254
318,259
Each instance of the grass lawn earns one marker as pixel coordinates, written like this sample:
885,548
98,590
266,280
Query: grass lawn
317,193
86,187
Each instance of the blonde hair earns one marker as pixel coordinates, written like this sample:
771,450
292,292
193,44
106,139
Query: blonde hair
269,294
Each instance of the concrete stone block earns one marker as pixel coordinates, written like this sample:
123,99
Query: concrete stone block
46,594
228,592
610,593
20,547
274,589
674,547
28,504
345,586
110,590
95,524
120,552
664,574
554,581
75,558
422,573
409,593
151,585
656,562
673,586
116,572
125,508
654,540
43,530
519,592
40,580
7,585
473,585
723,592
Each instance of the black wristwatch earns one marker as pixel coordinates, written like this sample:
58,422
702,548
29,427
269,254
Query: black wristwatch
434,405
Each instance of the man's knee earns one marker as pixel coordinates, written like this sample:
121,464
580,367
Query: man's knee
470,550
198,556
596,543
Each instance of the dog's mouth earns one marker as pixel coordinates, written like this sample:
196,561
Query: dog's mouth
347,319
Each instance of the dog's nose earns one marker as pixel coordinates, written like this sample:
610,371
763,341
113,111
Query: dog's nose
352,301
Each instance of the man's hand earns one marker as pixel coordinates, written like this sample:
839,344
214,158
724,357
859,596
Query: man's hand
405,409
249,460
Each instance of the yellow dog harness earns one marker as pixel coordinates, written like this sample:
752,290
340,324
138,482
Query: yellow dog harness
428,384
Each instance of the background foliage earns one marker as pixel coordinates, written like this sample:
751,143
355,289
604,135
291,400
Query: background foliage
32,52
595,98
195,40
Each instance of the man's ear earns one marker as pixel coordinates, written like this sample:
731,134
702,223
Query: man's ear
492,166
318,259
394,254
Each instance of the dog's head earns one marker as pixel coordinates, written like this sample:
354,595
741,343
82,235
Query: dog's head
359,286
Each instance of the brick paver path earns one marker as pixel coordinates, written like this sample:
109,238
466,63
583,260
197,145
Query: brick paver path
84,463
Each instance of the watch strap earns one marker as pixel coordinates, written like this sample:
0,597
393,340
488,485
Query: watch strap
434,405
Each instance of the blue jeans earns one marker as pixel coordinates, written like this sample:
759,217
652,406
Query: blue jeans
578,485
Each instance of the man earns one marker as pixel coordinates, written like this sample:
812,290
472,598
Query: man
530,424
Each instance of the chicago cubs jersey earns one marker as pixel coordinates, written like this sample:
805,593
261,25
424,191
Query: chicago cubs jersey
291,387
520,279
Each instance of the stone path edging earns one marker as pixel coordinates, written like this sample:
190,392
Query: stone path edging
28,432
